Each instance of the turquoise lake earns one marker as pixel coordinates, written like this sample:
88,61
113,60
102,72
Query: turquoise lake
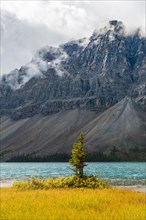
122,173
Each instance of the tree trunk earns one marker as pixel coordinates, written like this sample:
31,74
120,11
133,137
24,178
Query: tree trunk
81,174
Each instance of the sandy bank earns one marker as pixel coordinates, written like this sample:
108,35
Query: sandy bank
141,189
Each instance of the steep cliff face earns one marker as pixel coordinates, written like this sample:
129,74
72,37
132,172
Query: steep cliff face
89,75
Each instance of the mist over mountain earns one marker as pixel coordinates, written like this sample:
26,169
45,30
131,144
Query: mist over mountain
95,85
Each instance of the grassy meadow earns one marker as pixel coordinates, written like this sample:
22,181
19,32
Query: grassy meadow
78,204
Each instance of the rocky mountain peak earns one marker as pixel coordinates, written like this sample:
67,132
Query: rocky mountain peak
114,27
117,27
138,33
91,73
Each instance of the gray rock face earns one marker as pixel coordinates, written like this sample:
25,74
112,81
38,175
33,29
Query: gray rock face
92,73
95,85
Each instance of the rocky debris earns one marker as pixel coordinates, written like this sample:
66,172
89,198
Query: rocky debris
122,125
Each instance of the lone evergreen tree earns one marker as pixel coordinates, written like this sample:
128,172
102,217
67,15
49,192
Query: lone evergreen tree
78,157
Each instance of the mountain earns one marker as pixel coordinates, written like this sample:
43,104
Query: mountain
95,85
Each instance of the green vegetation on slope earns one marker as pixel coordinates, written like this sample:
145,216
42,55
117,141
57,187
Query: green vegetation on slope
134,154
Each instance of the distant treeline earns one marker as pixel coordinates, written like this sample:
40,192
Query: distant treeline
115,155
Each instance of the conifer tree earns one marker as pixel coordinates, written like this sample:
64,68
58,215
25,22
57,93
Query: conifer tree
78,157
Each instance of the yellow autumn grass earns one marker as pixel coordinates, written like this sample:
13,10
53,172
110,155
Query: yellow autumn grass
59,204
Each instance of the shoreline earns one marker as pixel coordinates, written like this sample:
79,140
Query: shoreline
140,189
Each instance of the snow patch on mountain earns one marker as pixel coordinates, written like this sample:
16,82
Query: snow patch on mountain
84,42
81,42
11,79
44,59
104,61
111,36
17,78
56,63
115,27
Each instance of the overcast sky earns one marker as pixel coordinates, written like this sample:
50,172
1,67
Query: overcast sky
27,26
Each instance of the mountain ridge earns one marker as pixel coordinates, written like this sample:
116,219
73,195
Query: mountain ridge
91,76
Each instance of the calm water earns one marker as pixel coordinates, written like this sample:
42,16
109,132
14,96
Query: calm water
116,173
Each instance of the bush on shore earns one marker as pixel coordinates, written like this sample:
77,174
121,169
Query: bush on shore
90,182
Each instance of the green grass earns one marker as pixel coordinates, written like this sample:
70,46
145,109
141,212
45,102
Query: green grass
73,204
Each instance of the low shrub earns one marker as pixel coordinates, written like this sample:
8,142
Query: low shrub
62,182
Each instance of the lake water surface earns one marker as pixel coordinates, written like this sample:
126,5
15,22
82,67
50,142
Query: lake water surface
123,173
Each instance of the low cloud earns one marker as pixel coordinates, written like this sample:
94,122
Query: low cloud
28,25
